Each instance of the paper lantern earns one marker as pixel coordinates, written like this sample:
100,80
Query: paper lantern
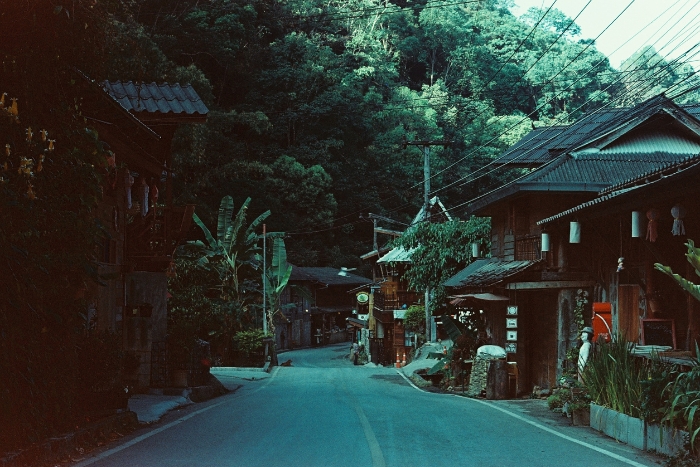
476,250
636,224
678,212
574,232
652,226
545,241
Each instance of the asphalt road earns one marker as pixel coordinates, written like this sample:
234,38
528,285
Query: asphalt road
323,411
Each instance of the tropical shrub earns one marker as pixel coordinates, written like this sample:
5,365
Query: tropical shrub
682,401
617,379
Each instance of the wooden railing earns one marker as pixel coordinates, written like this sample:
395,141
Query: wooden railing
388,302
527,247
153,238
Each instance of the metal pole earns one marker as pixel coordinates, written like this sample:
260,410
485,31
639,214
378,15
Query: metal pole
264,280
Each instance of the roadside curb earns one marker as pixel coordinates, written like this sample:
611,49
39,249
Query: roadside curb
58,448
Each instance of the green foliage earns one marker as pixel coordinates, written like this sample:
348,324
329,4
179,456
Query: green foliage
414,319
558,398
276,279
229,262
580,308
614,377
682,397
249,341
440,250
693,257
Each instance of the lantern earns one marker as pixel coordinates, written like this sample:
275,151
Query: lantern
476,251
574,232
652,231
678,213
636,224
545,241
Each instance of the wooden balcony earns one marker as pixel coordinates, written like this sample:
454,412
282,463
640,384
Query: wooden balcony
527,247
151,240
390,302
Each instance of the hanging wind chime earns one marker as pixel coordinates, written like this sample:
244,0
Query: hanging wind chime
652,226
678,212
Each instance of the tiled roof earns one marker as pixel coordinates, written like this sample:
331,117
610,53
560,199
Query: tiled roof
487,272
327,276
151,98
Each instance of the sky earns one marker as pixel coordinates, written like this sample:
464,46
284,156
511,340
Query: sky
671,26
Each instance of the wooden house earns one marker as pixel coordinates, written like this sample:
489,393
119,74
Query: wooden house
317,304
388,340
143,226
541,265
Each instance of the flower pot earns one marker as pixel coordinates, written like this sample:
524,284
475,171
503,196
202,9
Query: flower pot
581,417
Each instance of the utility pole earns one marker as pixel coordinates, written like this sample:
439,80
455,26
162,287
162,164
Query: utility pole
264,280
425,146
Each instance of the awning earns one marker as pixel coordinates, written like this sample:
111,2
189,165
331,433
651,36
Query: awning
397,255
487,272
358,323
459,300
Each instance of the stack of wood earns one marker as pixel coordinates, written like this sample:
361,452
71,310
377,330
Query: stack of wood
477,380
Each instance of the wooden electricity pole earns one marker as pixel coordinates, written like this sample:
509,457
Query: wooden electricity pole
425,147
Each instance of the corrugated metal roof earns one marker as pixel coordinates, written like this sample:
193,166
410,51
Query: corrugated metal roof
533,148
664,173
163,98
487,272
651,142
541,144
397,255
583,206
661,171
326,275
596,169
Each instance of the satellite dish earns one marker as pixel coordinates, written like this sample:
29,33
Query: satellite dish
344,271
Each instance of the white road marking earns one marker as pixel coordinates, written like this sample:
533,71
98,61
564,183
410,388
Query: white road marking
143,437
542,427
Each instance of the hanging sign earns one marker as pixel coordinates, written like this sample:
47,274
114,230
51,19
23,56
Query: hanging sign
362,297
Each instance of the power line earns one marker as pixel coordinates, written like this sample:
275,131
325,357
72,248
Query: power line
506,130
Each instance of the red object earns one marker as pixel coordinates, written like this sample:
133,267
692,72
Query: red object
602,321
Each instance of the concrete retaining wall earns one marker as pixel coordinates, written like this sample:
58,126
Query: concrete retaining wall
637,432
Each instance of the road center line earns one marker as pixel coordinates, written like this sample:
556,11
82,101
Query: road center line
540,426
374,449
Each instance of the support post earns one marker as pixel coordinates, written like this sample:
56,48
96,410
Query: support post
264,314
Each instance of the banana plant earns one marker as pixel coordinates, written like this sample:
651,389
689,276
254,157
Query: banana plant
235,247
693,256
233,259
276,279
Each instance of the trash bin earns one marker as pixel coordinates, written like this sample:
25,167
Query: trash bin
497,380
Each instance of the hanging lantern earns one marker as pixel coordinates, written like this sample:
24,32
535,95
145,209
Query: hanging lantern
678,213
574,232
545,241
636,224
652,226
476,250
